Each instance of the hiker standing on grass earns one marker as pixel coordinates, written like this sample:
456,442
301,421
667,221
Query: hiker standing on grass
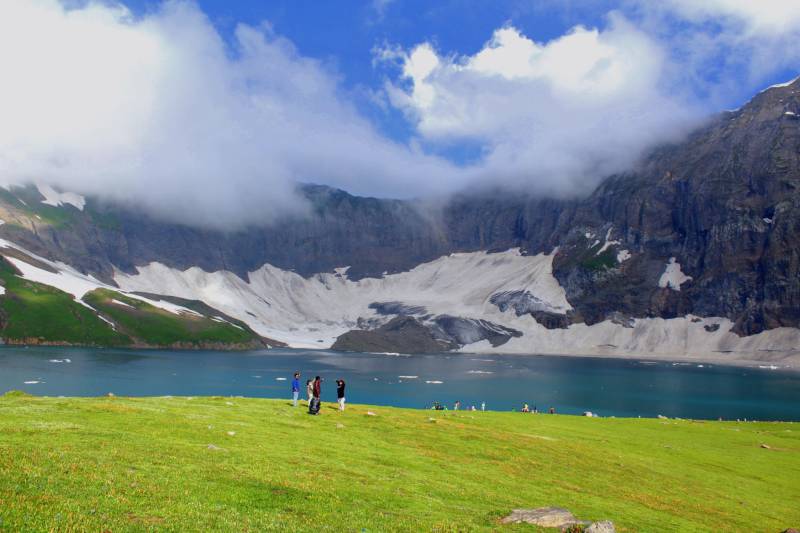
317,388
340,393
295,388
310,390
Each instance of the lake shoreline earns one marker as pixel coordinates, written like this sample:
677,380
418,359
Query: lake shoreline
704,359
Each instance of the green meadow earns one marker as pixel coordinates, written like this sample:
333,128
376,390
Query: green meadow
236,464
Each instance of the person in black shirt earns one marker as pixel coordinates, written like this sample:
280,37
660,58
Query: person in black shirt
340,393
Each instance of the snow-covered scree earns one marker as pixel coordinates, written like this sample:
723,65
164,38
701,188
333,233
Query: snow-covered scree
312,312
57,199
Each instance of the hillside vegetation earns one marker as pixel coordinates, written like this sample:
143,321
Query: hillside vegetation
235,464
35,313
159,327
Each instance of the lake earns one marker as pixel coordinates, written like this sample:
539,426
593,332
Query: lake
608,387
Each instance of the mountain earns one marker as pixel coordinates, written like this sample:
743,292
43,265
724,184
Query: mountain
693,252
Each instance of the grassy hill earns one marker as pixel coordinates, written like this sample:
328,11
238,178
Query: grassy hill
158,327
234,464
35,313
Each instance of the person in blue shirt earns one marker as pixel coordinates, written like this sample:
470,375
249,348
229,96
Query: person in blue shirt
295,388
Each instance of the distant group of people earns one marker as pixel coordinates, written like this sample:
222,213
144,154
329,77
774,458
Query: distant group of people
456,406
314,393
526,409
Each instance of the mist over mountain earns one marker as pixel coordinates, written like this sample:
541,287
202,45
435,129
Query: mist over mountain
161,110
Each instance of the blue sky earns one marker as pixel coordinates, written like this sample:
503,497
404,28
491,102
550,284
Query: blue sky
344,34
225,105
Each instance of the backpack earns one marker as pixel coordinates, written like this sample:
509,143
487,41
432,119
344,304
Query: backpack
313,407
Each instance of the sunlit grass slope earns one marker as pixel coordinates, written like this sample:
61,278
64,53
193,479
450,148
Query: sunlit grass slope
233,464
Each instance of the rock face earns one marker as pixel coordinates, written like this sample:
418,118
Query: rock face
402,334
709,226
407,334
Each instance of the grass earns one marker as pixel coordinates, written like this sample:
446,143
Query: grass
37,312
32,206
591,261
140,464
159,327
32,312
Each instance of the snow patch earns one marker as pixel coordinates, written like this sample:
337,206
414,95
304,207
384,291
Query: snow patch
608,242
115,301
57,199
672,277
779,85
623,255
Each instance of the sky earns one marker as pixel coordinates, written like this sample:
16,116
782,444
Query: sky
209,112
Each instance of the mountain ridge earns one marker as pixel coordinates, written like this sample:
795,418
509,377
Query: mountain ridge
718,212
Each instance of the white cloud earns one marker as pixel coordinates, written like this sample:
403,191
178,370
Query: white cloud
755,16
725,49
159,112
554,117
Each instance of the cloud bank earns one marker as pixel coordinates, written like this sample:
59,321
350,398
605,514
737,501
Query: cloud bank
161,112
552,117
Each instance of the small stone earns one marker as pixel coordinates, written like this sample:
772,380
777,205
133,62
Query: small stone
231,433
588,413
213,447
542,517
370,413
606,526
228,403
432,420
766,446
339,425
110,394
791,530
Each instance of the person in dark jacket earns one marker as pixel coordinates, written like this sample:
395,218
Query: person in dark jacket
316,391
317,388
340,393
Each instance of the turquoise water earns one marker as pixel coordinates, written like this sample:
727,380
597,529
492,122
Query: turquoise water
609,387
